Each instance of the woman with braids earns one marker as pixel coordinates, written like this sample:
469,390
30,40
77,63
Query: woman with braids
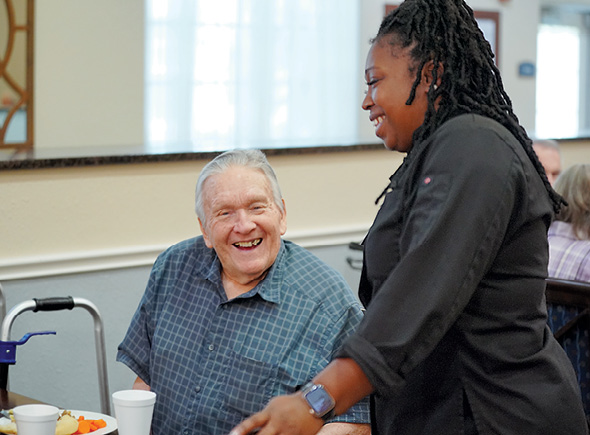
454,340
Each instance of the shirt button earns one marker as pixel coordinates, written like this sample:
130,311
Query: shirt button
197,389
211,347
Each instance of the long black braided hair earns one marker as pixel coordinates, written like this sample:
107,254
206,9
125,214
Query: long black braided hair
446,33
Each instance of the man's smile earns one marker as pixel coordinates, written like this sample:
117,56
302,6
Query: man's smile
248,244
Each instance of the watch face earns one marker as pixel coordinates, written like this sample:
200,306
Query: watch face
320,401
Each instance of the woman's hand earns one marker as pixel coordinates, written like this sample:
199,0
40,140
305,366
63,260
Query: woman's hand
290,414
284,415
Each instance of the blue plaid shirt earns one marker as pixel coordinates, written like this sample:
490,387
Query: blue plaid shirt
213,362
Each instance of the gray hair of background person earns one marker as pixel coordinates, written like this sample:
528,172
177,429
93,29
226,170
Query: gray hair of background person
574,185
254,159
547,143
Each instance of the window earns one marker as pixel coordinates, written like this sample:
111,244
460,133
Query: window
251,73
562,71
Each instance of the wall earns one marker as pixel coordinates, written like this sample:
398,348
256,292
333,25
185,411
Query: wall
77,219
89,92
88,73
93,232
518,22
574,152
62,368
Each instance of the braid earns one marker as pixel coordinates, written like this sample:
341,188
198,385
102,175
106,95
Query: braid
446,33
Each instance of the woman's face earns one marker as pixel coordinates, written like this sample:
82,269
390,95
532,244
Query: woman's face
390,77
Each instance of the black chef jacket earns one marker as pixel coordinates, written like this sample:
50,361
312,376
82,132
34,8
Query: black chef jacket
453,277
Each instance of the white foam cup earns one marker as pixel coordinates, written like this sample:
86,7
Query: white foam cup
134,410
35,419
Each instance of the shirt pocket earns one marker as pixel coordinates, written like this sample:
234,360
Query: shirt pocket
432,194
250,384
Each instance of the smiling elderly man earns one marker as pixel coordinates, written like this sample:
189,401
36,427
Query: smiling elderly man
238,315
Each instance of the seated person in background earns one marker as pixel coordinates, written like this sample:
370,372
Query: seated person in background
238,315
549,155
569,235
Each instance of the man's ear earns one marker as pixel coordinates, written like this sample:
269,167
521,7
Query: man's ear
205,236
283,225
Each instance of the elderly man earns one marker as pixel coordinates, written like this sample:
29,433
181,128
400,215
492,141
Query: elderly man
549,155
237,316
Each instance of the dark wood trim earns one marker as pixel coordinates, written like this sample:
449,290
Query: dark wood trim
495,17
486,15
92,156
30,73
561,291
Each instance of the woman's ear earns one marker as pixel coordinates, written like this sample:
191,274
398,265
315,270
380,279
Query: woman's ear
428,73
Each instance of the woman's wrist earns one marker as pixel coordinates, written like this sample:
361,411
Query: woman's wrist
345,382
321,403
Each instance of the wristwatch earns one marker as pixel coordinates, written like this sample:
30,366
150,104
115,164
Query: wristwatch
320,402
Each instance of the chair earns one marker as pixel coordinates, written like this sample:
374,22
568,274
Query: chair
568,309
355,263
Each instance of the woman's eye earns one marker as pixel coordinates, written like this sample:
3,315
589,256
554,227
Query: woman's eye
369,84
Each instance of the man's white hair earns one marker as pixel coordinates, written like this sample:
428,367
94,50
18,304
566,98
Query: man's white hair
250,158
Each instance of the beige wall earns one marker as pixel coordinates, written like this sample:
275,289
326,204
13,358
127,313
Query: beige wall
89,67
88,73
77,219
573,152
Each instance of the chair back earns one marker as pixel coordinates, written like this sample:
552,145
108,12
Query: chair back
568,316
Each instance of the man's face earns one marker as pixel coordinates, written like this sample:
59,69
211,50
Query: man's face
551,161
242,222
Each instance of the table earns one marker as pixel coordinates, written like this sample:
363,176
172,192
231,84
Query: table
9,400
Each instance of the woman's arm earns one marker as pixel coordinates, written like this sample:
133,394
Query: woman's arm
286,415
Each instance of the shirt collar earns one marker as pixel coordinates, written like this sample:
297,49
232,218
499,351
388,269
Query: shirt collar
268,289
